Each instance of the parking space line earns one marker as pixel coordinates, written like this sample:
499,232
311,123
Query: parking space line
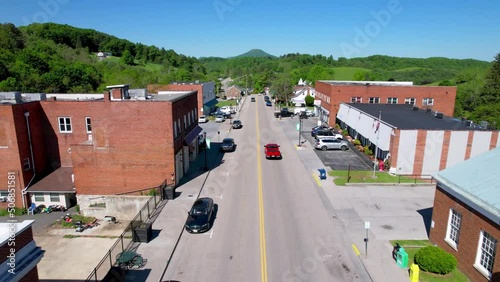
317,180
211,233
355,249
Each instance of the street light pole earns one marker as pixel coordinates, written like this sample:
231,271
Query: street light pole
300,129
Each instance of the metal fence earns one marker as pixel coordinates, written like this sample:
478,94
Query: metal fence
125,242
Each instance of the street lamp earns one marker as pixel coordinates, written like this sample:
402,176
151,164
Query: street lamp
300,128
205,140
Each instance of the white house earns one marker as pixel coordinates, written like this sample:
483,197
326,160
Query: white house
301,93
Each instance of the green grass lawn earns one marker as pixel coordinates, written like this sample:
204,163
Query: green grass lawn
223,103
412,246
347,73
340,177
152,67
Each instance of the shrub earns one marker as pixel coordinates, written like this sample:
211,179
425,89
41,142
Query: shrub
435,260
368,151
387,164
356,142
77,208
344,132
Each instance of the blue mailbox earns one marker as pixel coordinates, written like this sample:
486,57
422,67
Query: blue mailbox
322,173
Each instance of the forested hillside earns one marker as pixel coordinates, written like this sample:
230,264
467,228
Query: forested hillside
57,58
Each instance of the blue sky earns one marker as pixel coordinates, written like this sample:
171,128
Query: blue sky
224,28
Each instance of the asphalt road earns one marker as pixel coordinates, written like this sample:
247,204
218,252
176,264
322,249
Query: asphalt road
271,225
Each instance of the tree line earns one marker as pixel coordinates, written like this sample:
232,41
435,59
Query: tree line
56,58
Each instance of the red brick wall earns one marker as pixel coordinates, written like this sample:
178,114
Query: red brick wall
393,148
445,150
472,224
233,93
494,140
133,145
444,96
419,152
154,88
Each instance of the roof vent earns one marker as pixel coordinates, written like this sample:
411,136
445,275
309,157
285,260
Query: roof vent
428,111
414,108
483,124
468,123
438,115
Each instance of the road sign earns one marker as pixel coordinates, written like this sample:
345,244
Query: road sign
298,126
367,225
208,143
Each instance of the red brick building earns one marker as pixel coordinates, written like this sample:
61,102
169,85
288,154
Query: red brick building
416,142
113,144
206,93
332,93
466,215
18,252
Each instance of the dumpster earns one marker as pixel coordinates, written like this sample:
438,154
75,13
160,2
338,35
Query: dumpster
402,258
322,173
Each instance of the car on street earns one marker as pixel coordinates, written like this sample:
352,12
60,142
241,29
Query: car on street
331,143
228,145
219,118
252,99
200,216
202,119
269,104
237,124
272,151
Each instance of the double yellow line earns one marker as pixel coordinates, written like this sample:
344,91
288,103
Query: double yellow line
262,229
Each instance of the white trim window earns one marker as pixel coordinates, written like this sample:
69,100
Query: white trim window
485,257
453,229
392,100
65,125
88,124
410,101
54,197
39,197
356,100
374,100
427,102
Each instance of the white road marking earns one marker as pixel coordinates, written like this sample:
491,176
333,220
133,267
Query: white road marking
211,233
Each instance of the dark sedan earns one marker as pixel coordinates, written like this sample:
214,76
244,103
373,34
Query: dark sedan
237,124
200,216
269,104
228,145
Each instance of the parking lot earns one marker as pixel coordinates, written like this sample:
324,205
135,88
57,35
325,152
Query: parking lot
335,159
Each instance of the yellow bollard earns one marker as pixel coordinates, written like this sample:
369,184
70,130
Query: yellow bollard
414,272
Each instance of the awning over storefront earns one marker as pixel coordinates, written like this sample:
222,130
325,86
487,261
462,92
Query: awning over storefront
191,136
211,103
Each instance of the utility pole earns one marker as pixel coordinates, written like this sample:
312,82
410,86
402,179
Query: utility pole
377,131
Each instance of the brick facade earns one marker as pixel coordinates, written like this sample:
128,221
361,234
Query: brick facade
22,240
471,225
131,145
331,95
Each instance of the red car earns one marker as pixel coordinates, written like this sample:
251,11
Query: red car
273,151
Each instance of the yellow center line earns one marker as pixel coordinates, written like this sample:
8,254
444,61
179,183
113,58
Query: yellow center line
263,259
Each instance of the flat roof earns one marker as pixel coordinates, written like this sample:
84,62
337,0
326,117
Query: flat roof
171,95
7,227
59,181
366,83
403,117
475,182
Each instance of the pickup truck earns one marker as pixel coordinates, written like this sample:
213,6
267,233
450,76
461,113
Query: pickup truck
272,151
283,113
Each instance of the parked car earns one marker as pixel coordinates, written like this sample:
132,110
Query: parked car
320,133
328,143
219,118
237,124
200,216
272,151
309,113
269,104
228,145
202,119
252,99
320,127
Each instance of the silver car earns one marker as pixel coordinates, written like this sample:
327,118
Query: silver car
327,143
219,118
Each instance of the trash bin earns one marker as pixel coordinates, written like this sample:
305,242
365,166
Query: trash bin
414,272
142,233
322,173
169,192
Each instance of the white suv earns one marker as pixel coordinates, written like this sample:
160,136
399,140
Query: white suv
328,133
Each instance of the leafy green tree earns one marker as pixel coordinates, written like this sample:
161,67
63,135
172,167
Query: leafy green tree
309,100
127,58
282,88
